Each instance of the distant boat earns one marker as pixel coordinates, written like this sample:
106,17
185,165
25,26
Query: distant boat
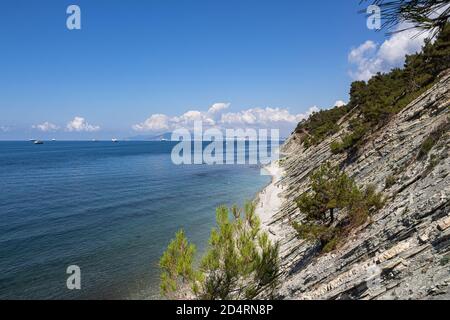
53,139
38,142
114,140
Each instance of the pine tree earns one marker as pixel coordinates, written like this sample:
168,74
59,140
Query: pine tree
177,272
240,261
331,190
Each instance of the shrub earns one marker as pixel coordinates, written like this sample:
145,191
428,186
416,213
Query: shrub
240,261
336,147
321,125
391,180
311,232
426,147
364,203
445,260
350,140
331,245
432,139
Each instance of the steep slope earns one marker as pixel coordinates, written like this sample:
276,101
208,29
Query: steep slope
404,251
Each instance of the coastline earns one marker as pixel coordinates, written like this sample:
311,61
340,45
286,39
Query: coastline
269,200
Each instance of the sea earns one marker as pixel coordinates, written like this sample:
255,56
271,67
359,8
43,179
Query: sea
109,208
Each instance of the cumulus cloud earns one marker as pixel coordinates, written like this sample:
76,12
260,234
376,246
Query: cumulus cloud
162,122
79,124
215,117
156,122
267,116
218,107
5,129
370,58
190,117
340,103
45,127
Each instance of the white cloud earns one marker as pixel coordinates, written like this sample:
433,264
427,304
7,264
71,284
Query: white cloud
80,124
46,127
258,117
162,122
218,107
214,117
340,103
156,122
5,129
359,54
190,117
370,58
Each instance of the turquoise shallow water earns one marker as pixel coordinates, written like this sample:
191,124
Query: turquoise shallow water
109,208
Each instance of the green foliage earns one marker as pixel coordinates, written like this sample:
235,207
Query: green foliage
331,245
240,260
432,139
312,232
176,265
420,14
433,162
372,199
351,140
321,125
445,260
390,181
331,190
374,102
426,147
336,147
387,94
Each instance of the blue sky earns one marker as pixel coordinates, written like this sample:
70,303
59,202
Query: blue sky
134,59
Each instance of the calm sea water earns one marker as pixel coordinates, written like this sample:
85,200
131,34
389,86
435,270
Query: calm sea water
109,208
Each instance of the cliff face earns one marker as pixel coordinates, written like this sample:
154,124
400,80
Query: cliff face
404,251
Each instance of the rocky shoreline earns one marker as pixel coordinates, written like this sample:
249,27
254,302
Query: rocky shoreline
269,200
404,251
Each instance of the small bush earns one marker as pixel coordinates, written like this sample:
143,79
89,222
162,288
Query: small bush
426,147
352,139
434,161
331,245
311,232
374,200
336,147
432,139
445,260
321,125
391,180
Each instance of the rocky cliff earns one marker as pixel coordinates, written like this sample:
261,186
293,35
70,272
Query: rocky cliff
403,252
